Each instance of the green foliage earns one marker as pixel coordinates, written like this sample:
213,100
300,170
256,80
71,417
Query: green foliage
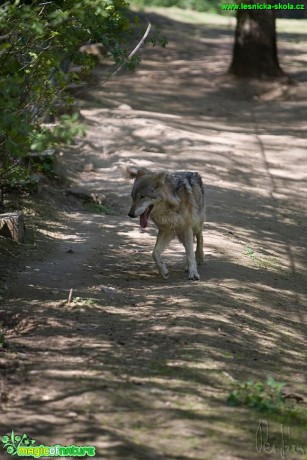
258,395
268,398
65,132
269,263
20,180
158,39
80,301
2,339
37,43
197,5
100,208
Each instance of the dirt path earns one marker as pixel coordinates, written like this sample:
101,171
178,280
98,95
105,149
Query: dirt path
137,366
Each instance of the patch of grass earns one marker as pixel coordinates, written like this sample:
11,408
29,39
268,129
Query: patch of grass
197,5
100,209
188,16
281,411
228,355
2,339
267,397
269,263
258,395
83,302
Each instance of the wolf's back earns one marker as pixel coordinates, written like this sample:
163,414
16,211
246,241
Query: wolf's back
190,183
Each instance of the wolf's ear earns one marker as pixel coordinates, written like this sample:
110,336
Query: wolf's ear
141,172
160,178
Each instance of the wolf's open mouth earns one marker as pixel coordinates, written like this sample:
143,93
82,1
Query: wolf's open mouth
144,216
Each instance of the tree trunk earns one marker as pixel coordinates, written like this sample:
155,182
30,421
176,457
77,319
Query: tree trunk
12,226
255,49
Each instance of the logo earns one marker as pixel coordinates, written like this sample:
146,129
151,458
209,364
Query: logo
24,446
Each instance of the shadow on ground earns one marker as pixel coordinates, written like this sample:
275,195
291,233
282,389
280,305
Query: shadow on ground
135,365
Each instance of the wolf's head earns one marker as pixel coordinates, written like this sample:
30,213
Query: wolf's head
148,189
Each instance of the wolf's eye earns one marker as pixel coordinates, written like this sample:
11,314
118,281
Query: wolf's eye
142,197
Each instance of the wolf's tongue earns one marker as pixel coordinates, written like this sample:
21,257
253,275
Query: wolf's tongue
144,216
144,219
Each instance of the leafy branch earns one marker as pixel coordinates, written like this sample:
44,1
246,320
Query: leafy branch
38,41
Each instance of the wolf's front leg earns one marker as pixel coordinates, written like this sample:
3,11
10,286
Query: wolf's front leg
163,239
186,237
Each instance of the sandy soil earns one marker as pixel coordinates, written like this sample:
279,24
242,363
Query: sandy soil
137,366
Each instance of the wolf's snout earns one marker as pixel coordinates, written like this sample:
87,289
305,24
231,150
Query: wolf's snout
131,214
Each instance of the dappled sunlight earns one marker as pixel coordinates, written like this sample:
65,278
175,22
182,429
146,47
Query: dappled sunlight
109,353
61,236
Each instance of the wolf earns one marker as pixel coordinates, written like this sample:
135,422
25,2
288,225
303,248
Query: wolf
176,204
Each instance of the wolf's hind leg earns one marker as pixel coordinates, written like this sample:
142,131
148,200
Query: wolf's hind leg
186,237
163,239
199,253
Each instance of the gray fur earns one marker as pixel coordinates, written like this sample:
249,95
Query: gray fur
176,204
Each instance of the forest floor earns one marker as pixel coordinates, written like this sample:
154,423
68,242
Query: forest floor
139,367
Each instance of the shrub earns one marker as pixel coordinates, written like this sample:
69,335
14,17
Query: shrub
265,396
37,42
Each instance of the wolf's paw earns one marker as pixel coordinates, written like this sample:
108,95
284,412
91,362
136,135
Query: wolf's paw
193,275
164,272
